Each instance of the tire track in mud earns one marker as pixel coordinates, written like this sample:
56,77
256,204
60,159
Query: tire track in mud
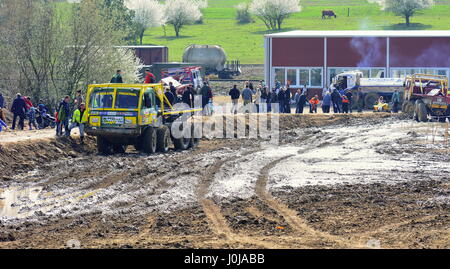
217,221
298,224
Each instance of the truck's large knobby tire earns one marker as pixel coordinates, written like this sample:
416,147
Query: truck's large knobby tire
404,104
182,143
371,99
163,139
422,113
149,139
103,145
408,108
193,143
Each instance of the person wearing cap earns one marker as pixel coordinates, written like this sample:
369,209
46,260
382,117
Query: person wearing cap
117,77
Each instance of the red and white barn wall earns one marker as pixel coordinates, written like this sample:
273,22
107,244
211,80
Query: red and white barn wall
313,61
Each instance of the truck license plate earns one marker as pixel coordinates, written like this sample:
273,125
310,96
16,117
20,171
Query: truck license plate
109,120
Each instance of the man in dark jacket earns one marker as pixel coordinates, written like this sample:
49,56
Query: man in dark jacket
170,96
188,96
360,100
301,102
205,94
63,117
117,77
173,90
349,95
281,100
2,101
336,99
234,94
2,105
287,101
19,109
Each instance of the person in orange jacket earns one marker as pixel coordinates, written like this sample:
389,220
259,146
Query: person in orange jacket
345,104
313,103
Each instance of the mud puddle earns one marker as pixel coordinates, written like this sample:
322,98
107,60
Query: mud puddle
11,198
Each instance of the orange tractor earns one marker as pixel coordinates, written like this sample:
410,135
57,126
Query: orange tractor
427,97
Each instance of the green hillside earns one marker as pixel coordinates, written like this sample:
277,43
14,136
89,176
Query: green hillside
245,42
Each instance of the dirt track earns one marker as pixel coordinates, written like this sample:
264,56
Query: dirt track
340,181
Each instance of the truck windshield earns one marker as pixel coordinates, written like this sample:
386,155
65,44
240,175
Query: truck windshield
127,98
101,98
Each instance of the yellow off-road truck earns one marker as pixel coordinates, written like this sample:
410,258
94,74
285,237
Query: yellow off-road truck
136,114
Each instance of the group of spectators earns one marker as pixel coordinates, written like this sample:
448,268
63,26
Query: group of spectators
40,116
263,98
22,109
185,94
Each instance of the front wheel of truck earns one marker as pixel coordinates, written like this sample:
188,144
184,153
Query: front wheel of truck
103,145
163,139
149,140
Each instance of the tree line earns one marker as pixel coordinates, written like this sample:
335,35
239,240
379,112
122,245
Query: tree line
49,50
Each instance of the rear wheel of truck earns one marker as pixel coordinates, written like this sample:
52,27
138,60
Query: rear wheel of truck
422,113
181,143
149,140
371,99
103,145
193,143
163,139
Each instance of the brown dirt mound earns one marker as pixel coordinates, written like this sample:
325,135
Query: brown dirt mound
24,156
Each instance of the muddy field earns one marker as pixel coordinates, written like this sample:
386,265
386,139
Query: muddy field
334,181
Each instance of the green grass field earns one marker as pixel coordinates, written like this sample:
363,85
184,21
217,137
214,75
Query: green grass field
245,42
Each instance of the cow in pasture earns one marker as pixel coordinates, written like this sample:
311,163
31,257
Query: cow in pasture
329,13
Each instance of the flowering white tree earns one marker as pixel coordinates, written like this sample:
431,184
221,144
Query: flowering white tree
182,12
273,12
147,13
404,8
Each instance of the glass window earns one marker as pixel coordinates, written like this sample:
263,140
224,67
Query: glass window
366,73
316,77
292,76
332,73
398,73
280,75
442,72
148,100
304,76
101,98
377,73
127,98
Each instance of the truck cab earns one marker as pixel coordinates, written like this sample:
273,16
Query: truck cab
347,80
133,114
